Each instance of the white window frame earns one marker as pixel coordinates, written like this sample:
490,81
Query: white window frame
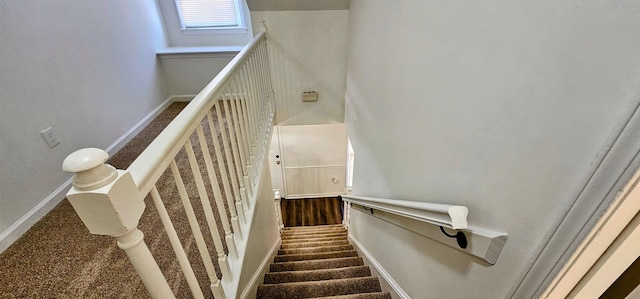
176,37
240,28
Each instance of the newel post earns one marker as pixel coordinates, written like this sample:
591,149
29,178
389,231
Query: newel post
108,202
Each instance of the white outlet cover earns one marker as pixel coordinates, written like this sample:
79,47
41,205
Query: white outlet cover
50,137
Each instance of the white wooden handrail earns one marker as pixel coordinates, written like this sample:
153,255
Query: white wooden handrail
147,168
439,214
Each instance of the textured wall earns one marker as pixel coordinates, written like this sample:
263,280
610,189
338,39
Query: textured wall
308,51
263,236
88,69
498,106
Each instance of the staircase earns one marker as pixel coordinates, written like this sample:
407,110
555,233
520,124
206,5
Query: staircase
319,262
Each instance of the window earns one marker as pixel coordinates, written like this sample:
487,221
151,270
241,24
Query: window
206,23
209,14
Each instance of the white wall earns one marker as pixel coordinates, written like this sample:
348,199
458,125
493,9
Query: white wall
308,51
86,68
313,160
500,106
263,238
187,74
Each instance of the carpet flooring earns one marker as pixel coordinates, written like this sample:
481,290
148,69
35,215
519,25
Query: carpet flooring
319,262
59,258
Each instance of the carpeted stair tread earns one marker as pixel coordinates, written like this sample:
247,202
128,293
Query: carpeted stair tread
315,249
319,261
377,295
314,256
312,231
310,289
312,235
312,227
314,244
311,240
315,275
293,231
317,264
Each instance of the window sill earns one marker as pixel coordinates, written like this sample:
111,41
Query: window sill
180,52
232,30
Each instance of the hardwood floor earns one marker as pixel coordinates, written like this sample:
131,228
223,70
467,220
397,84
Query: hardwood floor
311,211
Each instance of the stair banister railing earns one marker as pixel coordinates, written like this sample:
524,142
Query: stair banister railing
451,216
480,242
163,148
111,202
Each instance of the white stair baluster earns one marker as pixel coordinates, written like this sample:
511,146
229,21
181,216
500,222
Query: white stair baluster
189,275
208,212
213,180
235,101
193,223
240,140
239,193
225,179
236,155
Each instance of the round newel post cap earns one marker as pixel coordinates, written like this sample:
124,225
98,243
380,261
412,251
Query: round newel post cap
90,170
84,159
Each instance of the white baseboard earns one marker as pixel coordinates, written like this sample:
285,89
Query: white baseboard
16,230
183,97
139,126
382,271
252,287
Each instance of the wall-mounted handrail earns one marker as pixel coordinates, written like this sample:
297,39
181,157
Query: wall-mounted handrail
431,219
439,214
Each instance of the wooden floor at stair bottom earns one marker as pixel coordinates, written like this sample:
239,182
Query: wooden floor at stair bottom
319,262
311,211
